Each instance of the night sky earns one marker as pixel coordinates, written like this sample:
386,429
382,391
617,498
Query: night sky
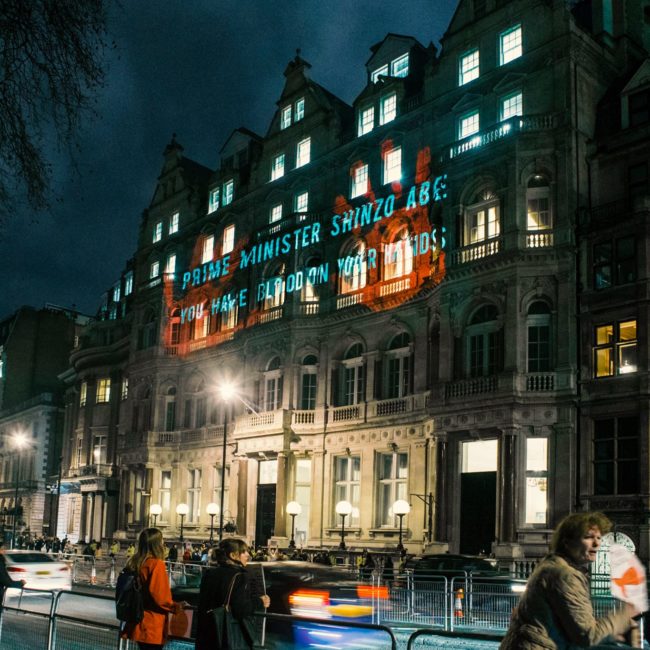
200,69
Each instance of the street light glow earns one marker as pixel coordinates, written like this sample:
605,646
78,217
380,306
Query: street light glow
227,391
19,440
212,508
182,509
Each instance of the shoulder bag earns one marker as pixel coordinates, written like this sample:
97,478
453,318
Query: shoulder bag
231,633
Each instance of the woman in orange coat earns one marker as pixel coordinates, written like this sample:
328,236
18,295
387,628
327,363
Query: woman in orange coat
149,562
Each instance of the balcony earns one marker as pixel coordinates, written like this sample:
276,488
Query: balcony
470,387
476,251
394,286
97,469
349,299
266,423
542,239
269,315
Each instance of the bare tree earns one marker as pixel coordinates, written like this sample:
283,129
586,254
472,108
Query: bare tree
51,65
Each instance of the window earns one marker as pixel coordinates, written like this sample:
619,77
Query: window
484,340
165,494
511,105
173,223
353,276
124,393
276,213
170,265
80,446
538,199
308,383
229,319
228,192
614,262
285,117
213,204
616,455
207,250
379,72
103,390
510,45
154,270
301,202
273,385
303,152
400,67
201,408
99,450
366,120
393,476
482,222
216,491
347,487
188,420
302,494
638,179
83,393
468,124
398,357
359,181
128,283
194,496
393,166
468,67
539,337
228,239
387,108
354,376
299,111
274,289
157,232
277,167
536,480
116,293
170,410
615,349
398,256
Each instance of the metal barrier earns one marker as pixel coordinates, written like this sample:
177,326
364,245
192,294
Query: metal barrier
449,639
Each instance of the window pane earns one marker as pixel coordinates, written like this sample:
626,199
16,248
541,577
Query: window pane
536,491
627,358
627,331
469,67
604,334
604,478
388,108
628,477
604,363
510,45
536,454
468,125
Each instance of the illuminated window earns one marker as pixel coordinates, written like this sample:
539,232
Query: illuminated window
124,394
277,167
393,165
157,232
301,202
229,318
216,492
228,239
274,288
170,265
207,250
170,409
484,347
112,314
536,480
299,111
228,192
354,376
194,495
468,125
303,152
359,181
482,223
215,196
387,108
614,262
80,446
276,213
302,492
538,322
273,385
393,485
353,274
400,67
366,120
128,283
398,256
309,377
285,117
154,270
616,455
468,67
83,393
117,292
510,45
399,362
173,223
165,494
511,105
615,349
103,390
538,200
379,72
347,487
99,450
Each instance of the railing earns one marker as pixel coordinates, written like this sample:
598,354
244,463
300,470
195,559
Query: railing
394,286
348,300
43,398
539,239
477,251
348,413
97,469
477,386
540,382
269,315
309,308
303,417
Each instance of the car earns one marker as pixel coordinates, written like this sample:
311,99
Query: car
450,566
38,570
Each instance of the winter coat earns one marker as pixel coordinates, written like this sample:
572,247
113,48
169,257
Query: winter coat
214,592
157,597
555,611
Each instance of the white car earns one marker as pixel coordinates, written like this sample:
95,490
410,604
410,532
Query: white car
38,570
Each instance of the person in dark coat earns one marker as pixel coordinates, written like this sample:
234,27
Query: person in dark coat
231,557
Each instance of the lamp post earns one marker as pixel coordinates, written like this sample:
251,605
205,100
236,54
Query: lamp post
401,508
293,509
212,509
227,391
343,508
182,509
19,442
155,510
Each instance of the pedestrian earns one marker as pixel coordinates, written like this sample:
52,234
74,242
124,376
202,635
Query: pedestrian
173,553
151,632
130,551
388,571
231,557
7,581
555,611
115,548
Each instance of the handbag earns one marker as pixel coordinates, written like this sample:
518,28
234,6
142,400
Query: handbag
231,633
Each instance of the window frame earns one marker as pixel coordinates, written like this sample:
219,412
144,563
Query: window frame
299,109
616,345
465,73
103,391
303,152
394,484
387,108
214,200
285,117
404,71
277,166
347,487
366,125
157,232
207,249
174,221
504,56
515,94
228,239
228,192
389,169
464,119
355,188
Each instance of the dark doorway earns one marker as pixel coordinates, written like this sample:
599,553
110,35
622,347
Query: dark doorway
265,520
478,496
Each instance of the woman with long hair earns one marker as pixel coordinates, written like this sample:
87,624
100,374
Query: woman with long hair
149,563
228,576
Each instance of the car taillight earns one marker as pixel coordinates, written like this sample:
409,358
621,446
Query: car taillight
16,569
309,598
65,568
368,591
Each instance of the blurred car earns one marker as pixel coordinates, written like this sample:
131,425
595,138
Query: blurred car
449,566
38,570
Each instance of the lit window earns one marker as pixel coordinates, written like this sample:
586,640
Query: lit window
303,152
352,277
468,67
128,283
366,120
468,125
103,390
616,456
538,204
301,202
154,271
536,480
275,289
359,181
347,486
273,385
398,256
510,45
354,376
388,108
615,349
511,105
112,314
208,249
116,293
614,262
228,239
399,360
379,72
484,343
170,265
400,67
83,393
99,450
285,117
299,111
538,322
173,223
157,232
215,196
277,167
393,165
125,388
276,213
482,223
393,478
164,494
194,495
228,192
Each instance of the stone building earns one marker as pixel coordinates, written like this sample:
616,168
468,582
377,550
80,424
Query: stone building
402,291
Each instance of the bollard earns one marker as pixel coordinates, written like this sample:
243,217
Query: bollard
458,603
93,574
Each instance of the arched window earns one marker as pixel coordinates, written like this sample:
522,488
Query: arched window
398,255
308,382
482,219
538,322
354,376
538,204
274,288
484,347
272,385
354,270
399,370
308,292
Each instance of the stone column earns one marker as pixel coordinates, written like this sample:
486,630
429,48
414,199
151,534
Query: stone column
242,492
82,518
316,517
440,522
90,515
98,516
281,497
507,486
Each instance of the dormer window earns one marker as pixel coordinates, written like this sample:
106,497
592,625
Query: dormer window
366,120
388,108
277,167
379,72
228,191
303,152
299,111
213,204
285,118
400,67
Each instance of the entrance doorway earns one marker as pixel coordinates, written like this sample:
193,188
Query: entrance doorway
265,520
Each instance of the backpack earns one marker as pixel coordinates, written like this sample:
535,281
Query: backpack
129,602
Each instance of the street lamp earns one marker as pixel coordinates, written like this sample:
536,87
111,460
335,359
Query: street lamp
227,391
156,511
401,508
212,509
293,509
182,509
18,442
343,508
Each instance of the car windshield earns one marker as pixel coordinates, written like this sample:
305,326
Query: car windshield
27,558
